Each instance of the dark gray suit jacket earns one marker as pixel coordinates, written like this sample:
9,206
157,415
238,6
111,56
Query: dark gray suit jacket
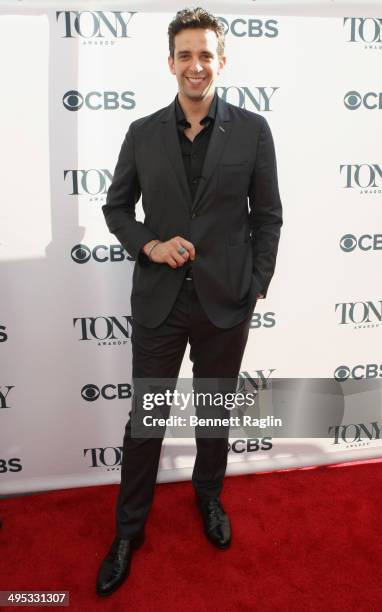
234,221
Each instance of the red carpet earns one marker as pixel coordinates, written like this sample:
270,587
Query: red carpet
308,540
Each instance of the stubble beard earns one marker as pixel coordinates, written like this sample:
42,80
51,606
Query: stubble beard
195,96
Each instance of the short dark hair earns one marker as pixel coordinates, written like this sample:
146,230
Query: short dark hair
195,18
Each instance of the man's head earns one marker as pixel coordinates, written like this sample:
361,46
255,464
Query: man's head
196,43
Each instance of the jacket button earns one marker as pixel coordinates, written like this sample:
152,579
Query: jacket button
193,216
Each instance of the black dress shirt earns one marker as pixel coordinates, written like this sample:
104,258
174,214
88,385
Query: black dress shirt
194,152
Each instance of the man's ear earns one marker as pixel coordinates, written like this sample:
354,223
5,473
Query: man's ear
222,63
171,64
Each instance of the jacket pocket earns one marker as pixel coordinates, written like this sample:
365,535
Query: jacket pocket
240,269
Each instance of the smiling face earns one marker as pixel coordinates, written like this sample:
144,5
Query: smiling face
196,63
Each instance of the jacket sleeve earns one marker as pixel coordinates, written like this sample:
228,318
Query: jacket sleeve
123,194
265,211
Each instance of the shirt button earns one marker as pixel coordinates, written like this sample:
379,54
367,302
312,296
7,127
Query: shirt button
193,216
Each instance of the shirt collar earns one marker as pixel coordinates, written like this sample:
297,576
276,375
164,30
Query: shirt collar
181,117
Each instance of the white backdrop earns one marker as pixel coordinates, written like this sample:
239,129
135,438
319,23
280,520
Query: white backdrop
73,78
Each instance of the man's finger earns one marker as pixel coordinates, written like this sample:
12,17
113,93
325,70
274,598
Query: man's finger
171,261
181,248
188,246
180,259
185,254
191,249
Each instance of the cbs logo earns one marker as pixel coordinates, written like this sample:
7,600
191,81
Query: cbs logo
250,445
254,28
101,253
90,392
366,242
370,370
73,100
371,100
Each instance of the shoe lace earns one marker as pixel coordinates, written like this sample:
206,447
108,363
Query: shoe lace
215,512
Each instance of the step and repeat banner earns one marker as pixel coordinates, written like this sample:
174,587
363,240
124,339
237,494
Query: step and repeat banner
74,78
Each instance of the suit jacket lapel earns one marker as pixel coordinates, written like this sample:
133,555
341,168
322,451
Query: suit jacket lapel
219,138
170,141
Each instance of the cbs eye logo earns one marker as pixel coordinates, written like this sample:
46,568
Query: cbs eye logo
352,100
90,393
342,373
73,100
80,253
348,243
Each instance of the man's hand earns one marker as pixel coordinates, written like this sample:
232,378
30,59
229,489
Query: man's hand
168,252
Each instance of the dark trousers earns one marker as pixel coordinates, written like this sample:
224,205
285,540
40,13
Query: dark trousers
158,353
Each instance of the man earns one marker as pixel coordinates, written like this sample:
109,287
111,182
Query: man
204,254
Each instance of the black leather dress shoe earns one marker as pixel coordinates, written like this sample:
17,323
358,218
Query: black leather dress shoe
217,526
115,567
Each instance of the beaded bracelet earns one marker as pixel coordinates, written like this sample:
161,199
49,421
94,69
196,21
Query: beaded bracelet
152,248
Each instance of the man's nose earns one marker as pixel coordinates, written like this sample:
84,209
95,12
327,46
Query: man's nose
196,66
